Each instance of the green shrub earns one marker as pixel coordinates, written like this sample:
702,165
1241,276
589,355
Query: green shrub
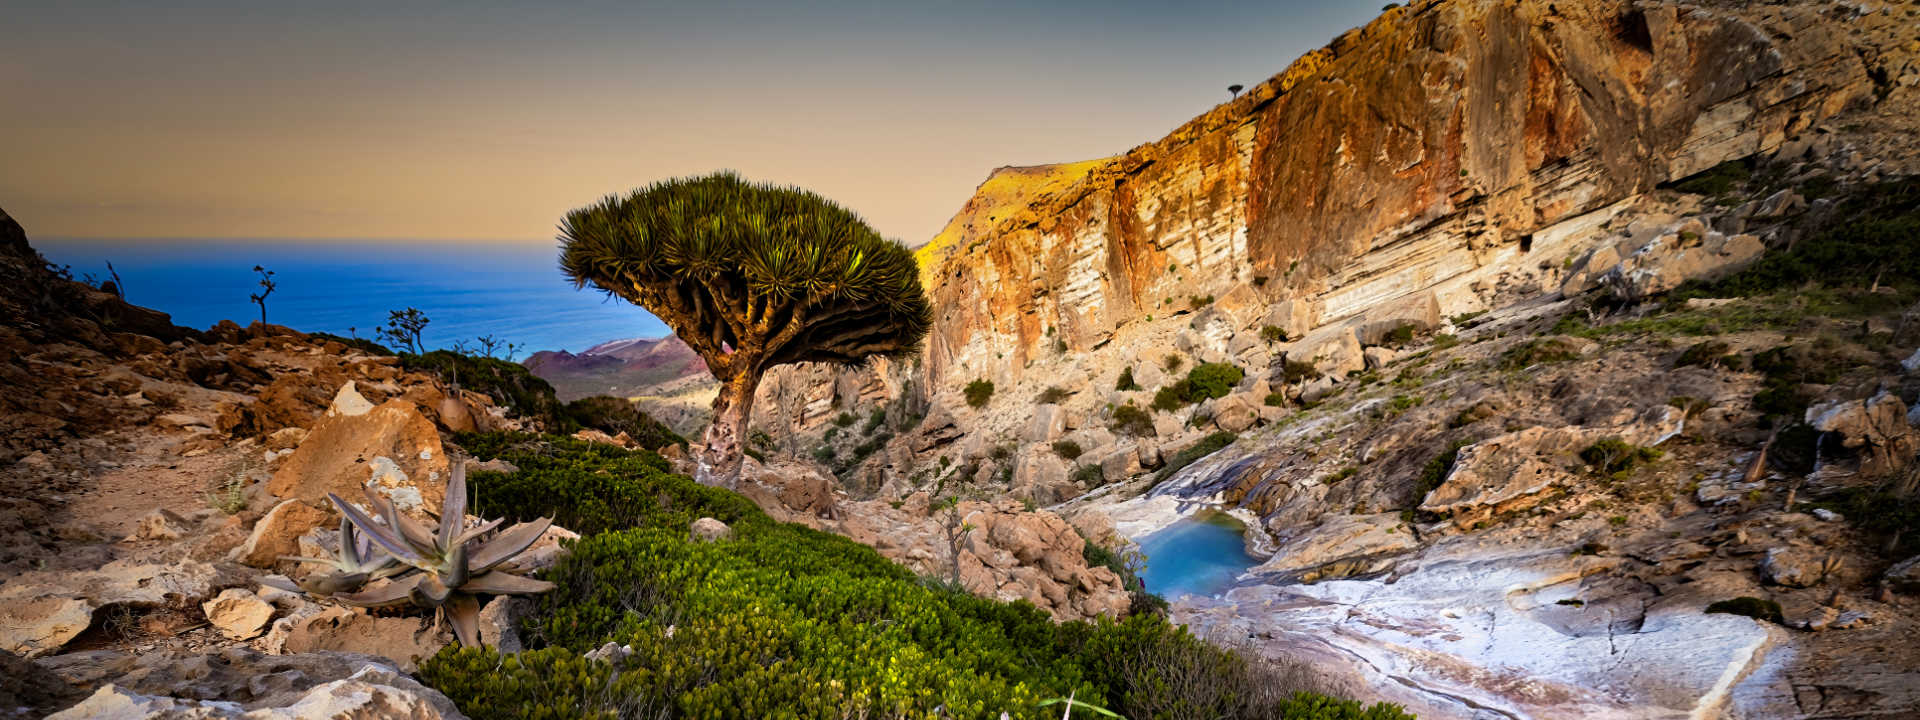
1294,372
1708,354
1126,382
1275,399
844,419
785,621
1872,241
1344,473
1067,449
1171,397
362,344
1752,607
1130,420
978,393
1613,456
1535,352
1053,396
613,416
1887,517
1212,380
1272,334
1207,446
1199,301
1400,335
1172,362
509,384
874,420
1089,475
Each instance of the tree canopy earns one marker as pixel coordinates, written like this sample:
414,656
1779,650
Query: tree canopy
732,265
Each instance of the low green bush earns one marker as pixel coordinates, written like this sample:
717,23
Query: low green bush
1614,456
1130,420
613,416
978,393
1272,334
1089,475
1535,352
1126,383
1294,372
1067,449
1708,354
1205,381
1275,399
362,344
509,384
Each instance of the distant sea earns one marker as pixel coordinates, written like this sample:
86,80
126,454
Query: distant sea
514,292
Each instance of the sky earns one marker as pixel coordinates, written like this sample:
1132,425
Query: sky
487,122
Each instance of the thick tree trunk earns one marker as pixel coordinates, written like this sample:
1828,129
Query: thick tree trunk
719,462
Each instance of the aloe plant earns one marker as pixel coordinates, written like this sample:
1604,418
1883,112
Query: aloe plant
354,565
443,565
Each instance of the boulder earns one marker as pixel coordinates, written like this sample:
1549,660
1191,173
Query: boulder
1048,424
402,640
1236,412
238,613
1793,566
392,448
1420,311
277,534
1378,357
1688,252
36,625
500,622
789,490
349,402
1877,427
1349,544
1294,316
161,524
1041,475
1122,463
1333,351
707,529
255,687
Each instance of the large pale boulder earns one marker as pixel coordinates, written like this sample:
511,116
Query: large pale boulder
1334,351
1876,427
1419,311
1236,412
36,624
392,448
1048,424
1041,475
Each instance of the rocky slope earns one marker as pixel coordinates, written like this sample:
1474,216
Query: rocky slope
1458,226
622,368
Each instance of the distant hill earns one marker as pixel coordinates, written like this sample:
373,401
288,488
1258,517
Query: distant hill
623,368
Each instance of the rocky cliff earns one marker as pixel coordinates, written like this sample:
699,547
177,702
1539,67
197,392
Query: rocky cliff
1445,252
1409,156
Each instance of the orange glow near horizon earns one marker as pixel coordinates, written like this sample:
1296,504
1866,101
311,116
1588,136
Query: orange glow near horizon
487,124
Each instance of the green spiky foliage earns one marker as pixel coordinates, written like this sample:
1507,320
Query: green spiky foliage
442,565
750,276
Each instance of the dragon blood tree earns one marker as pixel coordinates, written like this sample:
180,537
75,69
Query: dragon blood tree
750,276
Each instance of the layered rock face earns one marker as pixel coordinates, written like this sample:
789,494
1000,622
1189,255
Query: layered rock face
1439,140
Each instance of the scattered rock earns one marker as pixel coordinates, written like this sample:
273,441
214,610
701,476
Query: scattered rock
161,524
707,529
1792,566
238,613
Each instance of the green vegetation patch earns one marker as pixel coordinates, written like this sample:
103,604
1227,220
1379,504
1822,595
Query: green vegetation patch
1616,457
1130,420
784,621
1204,382
1435,471
508,383
613,416
1535,352
978,393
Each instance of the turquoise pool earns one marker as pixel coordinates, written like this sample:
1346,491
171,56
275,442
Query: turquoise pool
1199,555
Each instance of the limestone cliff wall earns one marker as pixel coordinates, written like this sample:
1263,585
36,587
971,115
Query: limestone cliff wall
1434,141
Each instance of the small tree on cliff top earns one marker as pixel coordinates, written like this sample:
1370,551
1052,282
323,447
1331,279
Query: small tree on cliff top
750,276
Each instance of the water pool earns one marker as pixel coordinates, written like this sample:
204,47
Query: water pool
1200,554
